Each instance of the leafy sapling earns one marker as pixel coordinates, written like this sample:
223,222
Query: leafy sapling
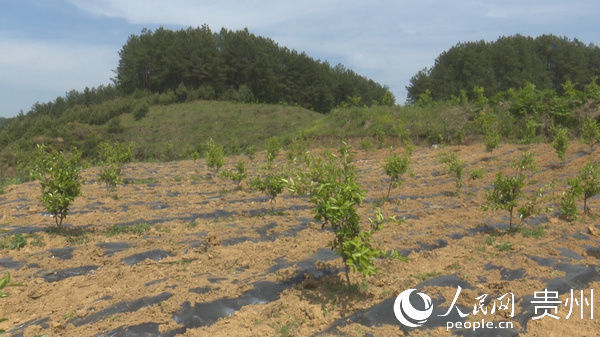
59,177
568,206
589,183
214,155
271,183
273,148
113,156
561,142
492,139
336,196
590,132
237,174
395,167
3,283
507,192
454,167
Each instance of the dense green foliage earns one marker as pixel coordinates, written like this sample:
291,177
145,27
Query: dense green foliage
547,62
58,175
237,65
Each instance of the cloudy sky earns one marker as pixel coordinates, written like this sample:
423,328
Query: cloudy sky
50,47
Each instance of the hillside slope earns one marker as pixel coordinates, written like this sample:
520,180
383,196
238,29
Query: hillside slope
188,126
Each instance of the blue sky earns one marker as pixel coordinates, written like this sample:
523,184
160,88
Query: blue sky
50,47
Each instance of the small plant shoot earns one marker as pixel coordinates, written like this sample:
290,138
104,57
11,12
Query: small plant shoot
590,133
273,149
507,193
561,142
395,167
270,183
214,155
237,175
455,167
112,157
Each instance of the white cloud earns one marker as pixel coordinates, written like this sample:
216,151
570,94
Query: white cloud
228,13
49,69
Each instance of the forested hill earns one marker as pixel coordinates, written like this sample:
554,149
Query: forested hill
547,62
240,65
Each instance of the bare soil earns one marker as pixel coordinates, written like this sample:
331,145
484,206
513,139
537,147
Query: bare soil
217,261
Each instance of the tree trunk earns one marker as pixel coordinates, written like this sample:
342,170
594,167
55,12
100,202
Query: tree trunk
347,274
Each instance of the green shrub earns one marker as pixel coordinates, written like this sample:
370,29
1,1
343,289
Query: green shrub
477,173
590,132
181,93
59,178
114,125
561,142
592,90
331,184
588,182
568,206
237,174
531,131
479,98
366,144
113,156
140,111
271,183
273,148
214,155
380,137
3,283
395,167
492,139
507,192
297,148
455,167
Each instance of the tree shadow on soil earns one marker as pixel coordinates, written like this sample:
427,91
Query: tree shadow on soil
332,292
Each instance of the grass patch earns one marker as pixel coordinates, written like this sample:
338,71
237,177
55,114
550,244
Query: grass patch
427,276
137,229
504,246
16,242
394,254
535,233
140,181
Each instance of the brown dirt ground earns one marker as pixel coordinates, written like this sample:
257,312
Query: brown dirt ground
213,255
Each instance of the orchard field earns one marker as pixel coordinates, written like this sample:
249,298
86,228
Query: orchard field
180,251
